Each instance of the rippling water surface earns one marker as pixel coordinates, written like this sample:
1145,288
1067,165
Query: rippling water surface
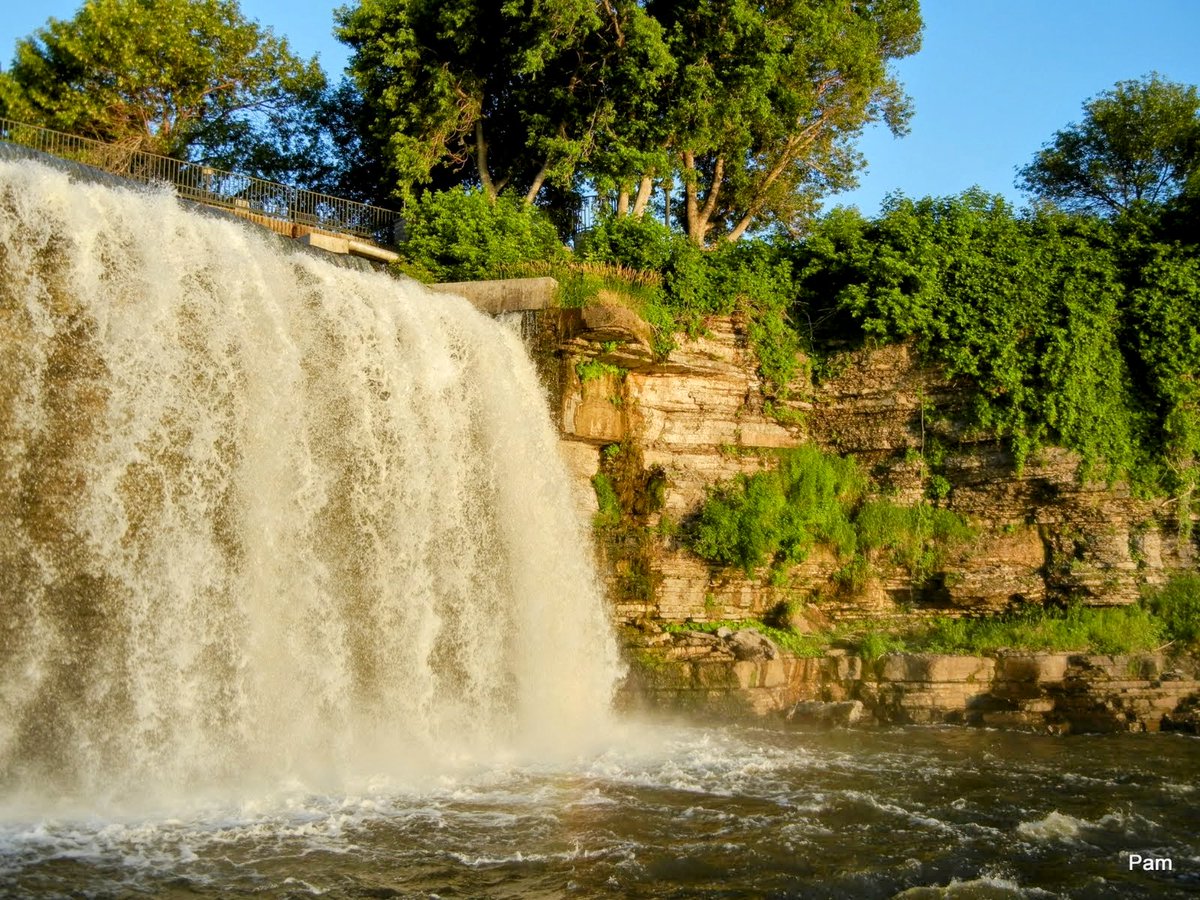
673,812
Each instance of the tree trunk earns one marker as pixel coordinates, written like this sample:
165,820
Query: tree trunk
795,144
538,180
643,195
691,205
698,217
622,202
485,177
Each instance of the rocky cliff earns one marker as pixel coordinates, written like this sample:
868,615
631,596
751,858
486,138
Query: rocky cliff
699,418
663,433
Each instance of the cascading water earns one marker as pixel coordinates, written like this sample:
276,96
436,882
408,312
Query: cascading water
263,517
292,603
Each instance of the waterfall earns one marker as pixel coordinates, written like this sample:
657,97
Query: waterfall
265,517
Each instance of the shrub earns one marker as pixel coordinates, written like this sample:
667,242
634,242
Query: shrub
919,537
777,516
642,244
875,644
459,235
1177,605
609,514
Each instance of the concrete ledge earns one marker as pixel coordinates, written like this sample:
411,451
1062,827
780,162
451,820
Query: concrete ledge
336,243
332,243
503,295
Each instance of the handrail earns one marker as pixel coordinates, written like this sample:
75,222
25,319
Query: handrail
205,184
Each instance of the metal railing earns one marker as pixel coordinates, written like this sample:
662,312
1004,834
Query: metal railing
591,208
243,194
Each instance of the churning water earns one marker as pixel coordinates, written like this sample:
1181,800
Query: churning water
264,518
294,603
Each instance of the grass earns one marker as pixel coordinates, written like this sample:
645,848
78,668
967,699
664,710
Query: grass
1177,605
1167,615
593,370
802,645
1122,629
583,284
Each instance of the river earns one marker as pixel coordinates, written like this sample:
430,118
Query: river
674,811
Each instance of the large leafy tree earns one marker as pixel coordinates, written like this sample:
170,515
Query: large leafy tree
508,95
1138,143
186,78
753,107
769,97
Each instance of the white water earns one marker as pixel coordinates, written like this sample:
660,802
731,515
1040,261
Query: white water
265,521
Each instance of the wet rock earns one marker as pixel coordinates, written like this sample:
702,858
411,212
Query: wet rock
827,715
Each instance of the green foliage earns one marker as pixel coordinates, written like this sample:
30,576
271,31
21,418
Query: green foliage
1137,143
808,646
1177,606
766,100
506,94
875,644
752,277
1026,310
594,369
641,244
1163,336
1124,629
777,516
188,78
754,108
460,235
918,537
609,515
1170,613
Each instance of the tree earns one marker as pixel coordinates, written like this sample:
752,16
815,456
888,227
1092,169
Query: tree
1138,143
507,95
768,98
186,78
752,106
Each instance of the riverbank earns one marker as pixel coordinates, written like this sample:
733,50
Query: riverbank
743,674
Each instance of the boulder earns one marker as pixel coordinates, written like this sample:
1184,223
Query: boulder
748,644
828,715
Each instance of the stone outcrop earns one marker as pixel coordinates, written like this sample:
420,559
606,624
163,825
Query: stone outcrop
1042,532
1056,692
699,418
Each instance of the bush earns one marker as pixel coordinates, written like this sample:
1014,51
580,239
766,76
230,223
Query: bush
919,537
1026,310
642,244
1177,605
609,513
459,235
777,516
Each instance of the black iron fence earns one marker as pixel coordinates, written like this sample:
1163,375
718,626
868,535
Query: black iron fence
211,186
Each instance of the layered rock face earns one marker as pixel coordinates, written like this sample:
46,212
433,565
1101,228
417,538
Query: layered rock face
661,434
700,418
1057,692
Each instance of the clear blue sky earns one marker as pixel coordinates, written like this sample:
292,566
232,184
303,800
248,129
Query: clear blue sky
994,81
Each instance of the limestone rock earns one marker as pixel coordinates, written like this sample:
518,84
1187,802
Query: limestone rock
826,714
748,644
1043,534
